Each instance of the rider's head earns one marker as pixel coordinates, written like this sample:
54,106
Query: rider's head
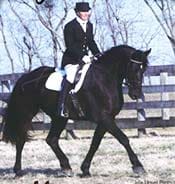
82,10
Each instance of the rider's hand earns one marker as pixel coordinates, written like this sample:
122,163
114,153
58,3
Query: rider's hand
86,59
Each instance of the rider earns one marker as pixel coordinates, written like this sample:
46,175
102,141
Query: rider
79,41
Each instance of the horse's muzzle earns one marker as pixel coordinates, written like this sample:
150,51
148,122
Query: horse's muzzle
135,93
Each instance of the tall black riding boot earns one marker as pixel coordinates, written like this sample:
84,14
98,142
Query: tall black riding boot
62,98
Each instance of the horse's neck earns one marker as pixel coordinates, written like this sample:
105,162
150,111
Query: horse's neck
116,70
106,75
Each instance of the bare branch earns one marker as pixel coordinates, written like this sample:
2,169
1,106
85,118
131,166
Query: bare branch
160,4
5,44
47,23
111,26
167,24
64,17
30,55
156,16
26,28
172,40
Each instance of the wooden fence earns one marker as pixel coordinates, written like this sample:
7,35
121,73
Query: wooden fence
165,103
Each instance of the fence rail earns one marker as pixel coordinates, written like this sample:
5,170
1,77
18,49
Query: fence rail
129,123
8,80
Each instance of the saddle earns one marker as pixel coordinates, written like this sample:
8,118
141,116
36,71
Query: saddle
54,82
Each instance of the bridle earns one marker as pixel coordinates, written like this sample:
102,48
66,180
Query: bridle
136,83
135,61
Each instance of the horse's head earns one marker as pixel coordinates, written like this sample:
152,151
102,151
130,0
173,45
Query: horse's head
135,69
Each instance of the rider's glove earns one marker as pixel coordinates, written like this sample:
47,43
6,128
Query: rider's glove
86,59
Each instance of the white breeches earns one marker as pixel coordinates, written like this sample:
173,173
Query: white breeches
71,71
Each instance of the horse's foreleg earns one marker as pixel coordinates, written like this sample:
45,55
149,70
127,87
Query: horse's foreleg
52,141
17,166
123,139
98,135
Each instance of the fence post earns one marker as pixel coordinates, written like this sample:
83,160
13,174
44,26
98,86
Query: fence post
141,116
165,113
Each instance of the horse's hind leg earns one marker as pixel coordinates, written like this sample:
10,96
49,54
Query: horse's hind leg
57,127
123,139
20,141
17,166
98,135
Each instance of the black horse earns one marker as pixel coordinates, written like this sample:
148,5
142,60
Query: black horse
100,97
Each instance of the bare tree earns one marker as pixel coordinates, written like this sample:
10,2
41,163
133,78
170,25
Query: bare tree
49,25
45,14
29,36
29,52
147,38
111,16
38,34
111,27
5,44
165,17
37,29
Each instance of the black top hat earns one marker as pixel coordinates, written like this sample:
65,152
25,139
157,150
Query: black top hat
82,7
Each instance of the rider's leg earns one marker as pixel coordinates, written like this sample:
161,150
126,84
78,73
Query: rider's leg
67,85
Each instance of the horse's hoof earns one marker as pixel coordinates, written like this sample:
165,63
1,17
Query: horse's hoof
139,170
19,173
85,175
67,173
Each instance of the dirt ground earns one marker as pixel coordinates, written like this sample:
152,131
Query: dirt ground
110,164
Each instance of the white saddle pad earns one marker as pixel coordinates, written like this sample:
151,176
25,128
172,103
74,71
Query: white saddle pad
54,80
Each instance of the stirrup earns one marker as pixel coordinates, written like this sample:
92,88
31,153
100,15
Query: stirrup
65,115
62,113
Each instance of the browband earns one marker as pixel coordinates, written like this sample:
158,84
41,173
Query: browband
135,61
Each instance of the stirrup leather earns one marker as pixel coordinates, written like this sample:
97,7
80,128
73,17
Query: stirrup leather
76,104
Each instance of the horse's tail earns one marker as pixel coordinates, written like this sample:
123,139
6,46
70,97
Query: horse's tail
23,104
15,128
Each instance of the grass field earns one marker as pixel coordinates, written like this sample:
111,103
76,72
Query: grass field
110,165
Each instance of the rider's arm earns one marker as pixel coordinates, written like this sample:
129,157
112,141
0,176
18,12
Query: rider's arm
92,44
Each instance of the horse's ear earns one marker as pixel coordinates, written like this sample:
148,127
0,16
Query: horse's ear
147,52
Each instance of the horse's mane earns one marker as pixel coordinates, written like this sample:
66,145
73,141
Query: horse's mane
117,56
117,53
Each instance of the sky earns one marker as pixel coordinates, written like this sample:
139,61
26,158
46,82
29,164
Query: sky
161,49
